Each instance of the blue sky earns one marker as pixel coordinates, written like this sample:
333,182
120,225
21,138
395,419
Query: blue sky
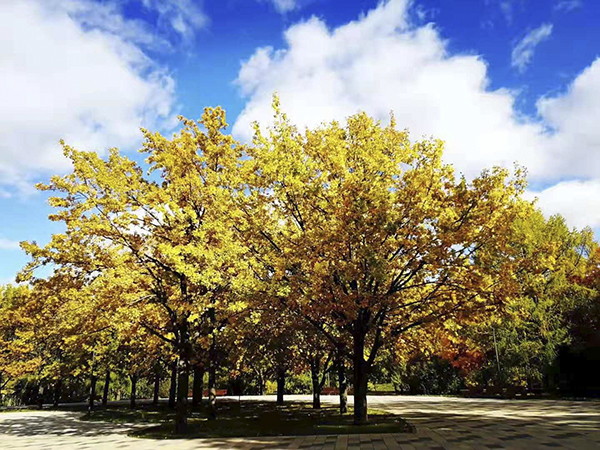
498,80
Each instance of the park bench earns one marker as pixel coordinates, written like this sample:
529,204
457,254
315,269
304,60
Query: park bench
220,393
330,391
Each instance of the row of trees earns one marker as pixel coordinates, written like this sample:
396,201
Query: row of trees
312,251
543,339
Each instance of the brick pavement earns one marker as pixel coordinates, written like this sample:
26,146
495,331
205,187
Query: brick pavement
441,423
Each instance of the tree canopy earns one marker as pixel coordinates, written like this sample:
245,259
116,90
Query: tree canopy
315,250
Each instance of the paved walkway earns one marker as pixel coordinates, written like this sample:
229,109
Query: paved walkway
488,423
442,423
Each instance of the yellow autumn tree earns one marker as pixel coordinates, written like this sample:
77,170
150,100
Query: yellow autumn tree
368,235
352,228
19,355
170,242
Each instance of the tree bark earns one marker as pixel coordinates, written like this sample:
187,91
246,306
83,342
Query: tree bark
182,396
212,390
134,379
106,386
360,380
40,397
280,385
261,382
198,386
316,386
156,386
342,385
173,387
92,393
57,390
212,369
185,353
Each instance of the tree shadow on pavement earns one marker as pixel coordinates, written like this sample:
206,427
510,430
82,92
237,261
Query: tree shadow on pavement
506,422
57,424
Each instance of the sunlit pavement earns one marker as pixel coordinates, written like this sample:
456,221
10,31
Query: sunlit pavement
441,422
487,423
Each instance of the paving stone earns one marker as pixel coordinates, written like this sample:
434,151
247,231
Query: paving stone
450,423
515,436
461,439
566,435
390,442
422,439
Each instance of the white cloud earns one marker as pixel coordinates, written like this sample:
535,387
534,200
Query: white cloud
507,10
578,201
7,244
61,76
568,5
284,6
382,62
574,117
425,14
185,17
108,17
523,51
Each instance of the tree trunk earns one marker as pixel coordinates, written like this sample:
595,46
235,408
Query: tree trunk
198,386
261,383
156,386
40,397
212,390
212,369
92,393
280,386
360,380
134,379
185,353
182,396
173,387
57,389
316,387
106,386
342,385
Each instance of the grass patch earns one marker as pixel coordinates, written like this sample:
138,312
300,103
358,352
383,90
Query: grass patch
387,388
252,418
